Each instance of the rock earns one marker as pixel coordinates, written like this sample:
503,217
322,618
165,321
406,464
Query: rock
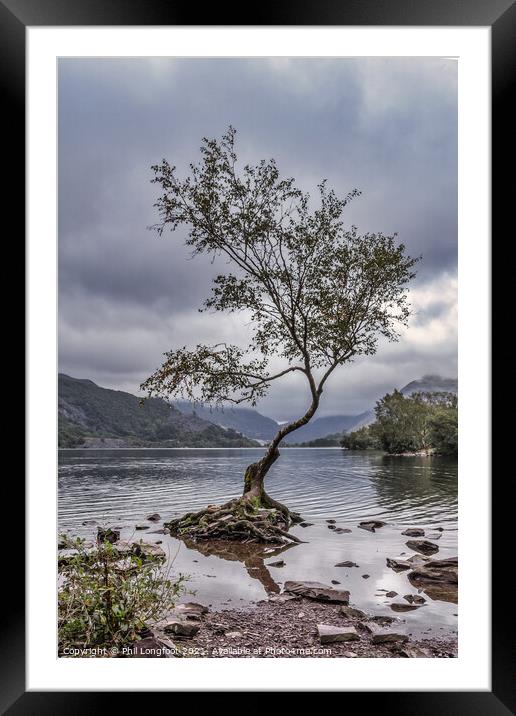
306,524
383,619
331,522
159,532
331,527
384,636
317,591
414,599
415,652
329,633
437,535
400,607
366,576
279,563
141,527
141,549
107,535
399,565
152,648
438,578
423,546
190,610
282,598
89,523
342,530
234,634
417,559
371,525
352,612
334,581
181,628
414,532
349,654
391,594
347,563
155,517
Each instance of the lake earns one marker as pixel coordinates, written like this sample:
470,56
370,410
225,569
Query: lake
120,487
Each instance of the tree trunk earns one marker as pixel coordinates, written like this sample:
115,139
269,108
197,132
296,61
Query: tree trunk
256,472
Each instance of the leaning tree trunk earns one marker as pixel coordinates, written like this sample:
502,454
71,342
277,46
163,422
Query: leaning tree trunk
253,517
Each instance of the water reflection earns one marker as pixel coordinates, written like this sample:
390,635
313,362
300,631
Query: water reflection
251,555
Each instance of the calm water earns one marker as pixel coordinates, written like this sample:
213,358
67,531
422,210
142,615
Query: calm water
119,487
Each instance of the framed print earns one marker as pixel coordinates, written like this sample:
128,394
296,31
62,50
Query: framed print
258,259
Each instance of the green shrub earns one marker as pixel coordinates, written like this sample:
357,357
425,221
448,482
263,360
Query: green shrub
107,598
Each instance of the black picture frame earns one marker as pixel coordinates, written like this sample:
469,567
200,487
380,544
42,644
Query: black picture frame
500,15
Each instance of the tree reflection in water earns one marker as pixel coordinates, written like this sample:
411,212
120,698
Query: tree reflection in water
251,554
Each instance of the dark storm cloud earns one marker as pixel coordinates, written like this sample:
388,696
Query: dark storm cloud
387,127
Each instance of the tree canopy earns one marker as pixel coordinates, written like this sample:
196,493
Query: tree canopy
317,293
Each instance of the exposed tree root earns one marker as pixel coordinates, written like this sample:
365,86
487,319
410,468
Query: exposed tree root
246,519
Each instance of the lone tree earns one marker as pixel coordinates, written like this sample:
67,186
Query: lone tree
317,295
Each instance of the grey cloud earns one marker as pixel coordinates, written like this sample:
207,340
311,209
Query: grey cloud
387,127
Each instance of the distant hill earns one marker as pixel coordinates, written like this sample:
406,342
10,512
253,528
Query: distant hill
323,427
431,384
245,420
91,416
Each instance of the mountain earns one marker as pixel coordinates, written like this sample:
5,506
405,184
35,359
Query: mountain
431,384
91,416
323,427
245,420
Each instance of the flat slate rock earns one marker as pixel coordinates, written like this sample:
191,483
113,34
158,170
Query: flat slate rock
414,532
371,525
401,607
283,597
414,599
385,636
151,648
329,633
423,546
190,610
399,565
352,612
347,563
154,517
279,563
178,627
438,578
342,530
317,591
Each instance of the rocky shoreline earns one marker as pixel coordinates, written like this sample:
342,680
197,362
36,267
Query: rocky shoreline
291,629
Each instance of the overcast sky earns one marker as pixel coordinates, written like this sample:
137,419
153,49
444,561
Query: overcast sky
385,126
